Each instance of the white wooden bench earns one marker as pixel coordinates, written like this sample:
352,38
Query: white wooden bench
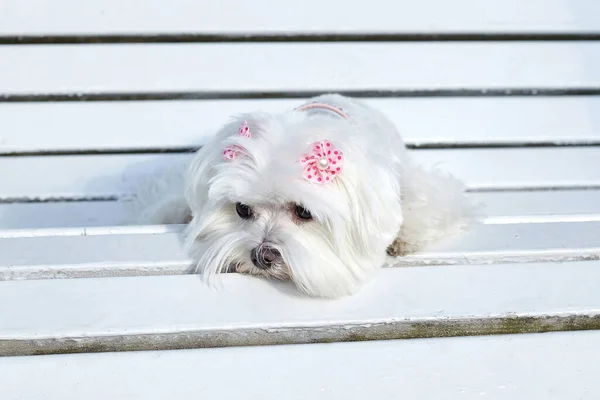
95,94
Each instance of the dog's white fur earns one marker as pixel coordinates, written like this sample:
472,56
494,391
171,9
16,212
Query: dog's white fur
380,201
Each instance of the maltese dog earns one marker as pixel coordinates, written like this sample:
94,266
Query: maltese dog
323,195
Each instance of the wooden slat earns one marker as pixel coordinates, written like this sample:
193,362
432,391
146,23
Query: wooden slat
82,176
74,315
298,66
94,253
560,204
504,207
118,126
41,17
134,251
69,214
116,175
555,366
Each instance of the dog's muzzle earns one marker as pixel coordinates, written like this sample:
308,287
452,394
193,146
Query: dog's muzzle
265,256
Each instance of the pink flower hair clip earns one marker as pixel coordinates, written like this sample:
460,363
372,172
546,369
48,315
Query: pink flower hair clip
323,164
231,152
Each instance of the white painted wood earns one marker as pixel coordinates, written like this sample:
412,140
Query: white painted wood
488,169
70,214
519,242
559,204
102,254
156,250
181,311
481,169
92,231
78,175
39,127
554,366
297,66
42,17
504,207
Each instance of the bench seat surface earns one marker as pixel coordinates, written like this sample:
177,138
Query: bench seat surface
96,95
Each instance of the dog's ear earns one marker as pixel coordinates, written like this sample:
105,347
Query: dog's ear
375,211
222,147
199,171
434,205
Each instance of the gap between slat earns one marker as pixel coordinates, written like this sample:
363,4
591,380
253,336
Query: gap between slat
60,199
125,197
296,38
249,95
439,145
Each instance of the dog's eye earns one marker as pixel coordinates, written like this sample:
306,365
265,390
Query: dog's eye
243,210
302,213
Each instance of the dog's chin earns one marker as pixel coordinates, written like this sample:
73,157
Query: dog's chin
314,268
279,271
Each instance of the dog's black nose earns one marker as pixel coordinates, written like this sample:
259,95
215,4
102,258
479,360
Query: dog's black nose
264,257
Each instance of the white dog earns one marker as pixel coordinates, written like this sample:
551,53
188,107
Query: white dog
317,195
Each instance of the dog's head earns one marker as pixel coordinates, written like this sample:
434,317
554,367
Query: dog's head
292,196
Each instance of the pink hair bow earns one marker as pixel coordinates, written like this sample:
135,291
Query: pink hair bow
323,164
230,152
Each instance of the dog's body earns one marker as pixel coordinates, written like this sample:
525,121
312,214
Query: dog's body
317,195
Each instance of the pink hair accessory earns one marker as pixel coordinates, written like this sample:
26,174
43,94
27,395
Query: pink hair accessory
337,110
230,152
323,164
